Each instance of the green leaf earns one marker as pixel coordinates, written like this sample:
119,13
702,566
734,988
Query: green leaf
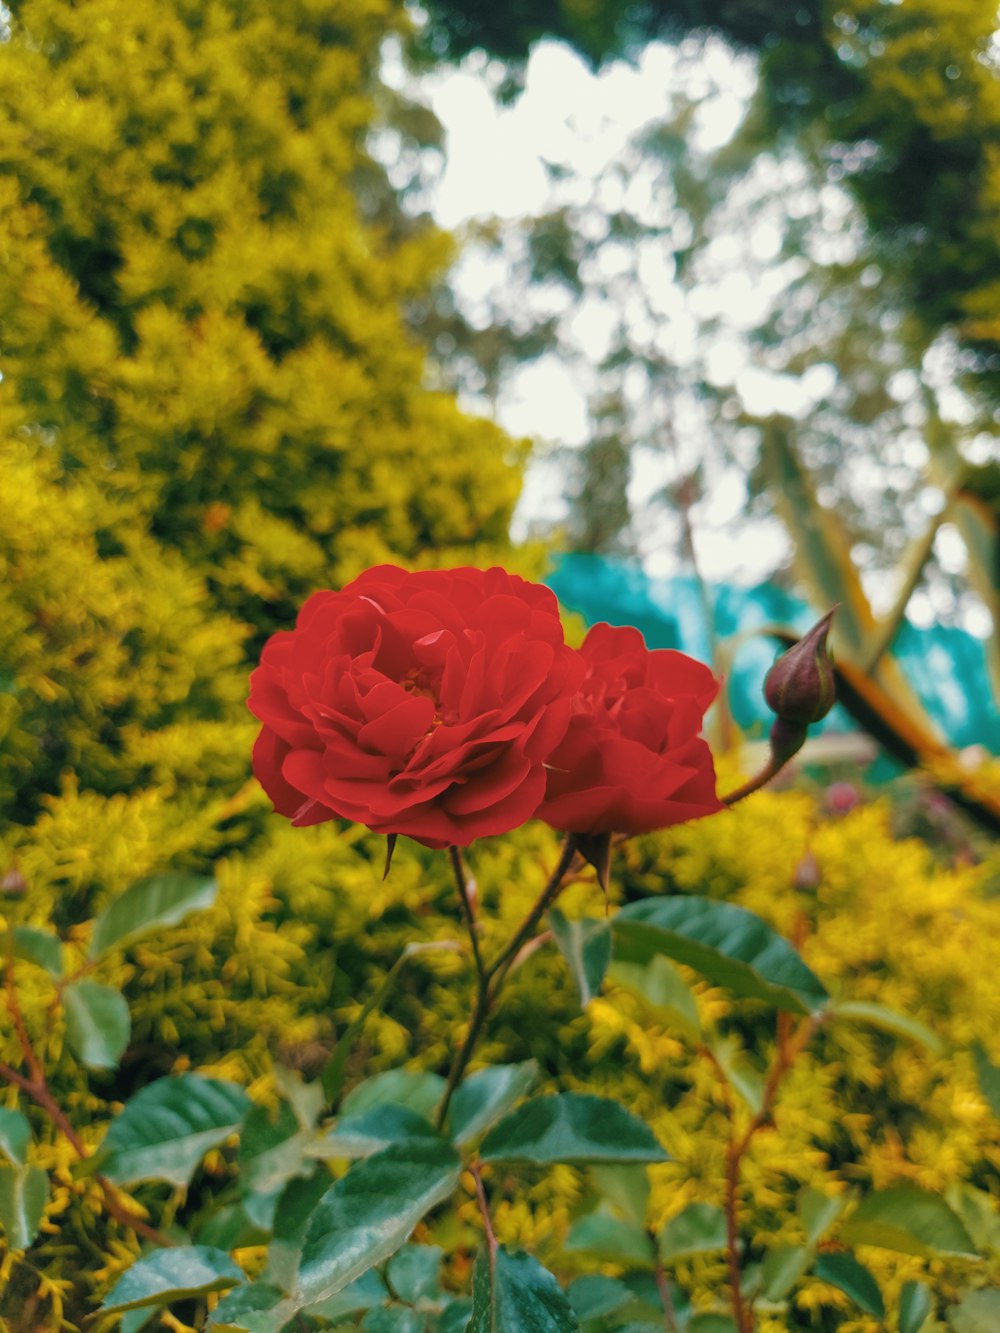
248,1308
369,1213
594,1297
515,1294
900,1025
710,1323
977,1212
419,1090
97,1023
726,943
393,1321
24,1192
15,1135
989,1077
272,1150
742,1077
368,1292
627,1187
171,1275
292,1213
34,946
700,1228
363,1135
486,1096
818,1211
782,1268
977,1312
133,1320
668,995
454,1318
586,946
844,1271
307,1100
571,1127
229,1228
914,1306
612,1239
148,905
413,1272
908,1220
166,1129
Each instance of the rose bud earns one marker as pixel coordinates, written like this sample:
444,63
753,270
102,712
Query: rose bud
800,687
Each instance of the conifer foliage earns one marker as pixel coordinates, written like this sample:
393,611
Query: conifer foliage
194,310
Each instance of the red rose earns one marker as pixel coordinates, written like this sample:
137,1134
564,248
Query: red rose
423,704
633,759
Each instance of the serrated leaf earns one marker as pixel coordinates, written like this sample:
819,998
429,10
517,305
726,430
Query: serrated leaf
97,1023
413,1272
34,946
908,1220
15,1135
852,1278
612,1239
369,1213
818,1211
729,945
171,1275
24,1192
586,946
914,1307
487,1095
166,1129
879,1016
989,1077
515,1294
700,1228
356,1136
571,1127
977,1312
419,1090
782,1268
662,987
150,904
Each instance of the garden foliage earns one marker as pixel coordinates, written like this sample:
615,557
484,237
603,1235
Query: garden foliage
209,405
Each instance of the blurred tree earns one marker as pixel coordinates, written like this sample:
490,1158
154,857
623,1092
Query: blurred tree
905,97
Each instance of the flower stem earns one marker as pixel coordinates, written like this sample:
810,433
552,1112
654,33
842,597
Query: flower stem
490,978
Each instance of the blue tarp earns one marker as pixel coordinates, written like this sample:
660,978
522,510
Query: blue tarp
946,666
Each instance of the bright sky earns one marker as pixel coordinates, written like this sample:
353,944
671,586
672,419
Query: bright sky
495,166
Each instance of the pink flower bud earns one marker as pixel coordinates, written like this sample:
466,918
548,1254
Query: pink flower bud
800,687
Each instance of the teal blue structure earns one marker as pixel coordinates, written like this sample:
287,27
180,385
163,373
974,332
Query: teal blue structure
946,666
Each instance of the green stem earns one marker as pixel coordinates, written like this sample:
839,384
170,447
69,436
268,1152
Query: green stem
491,978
